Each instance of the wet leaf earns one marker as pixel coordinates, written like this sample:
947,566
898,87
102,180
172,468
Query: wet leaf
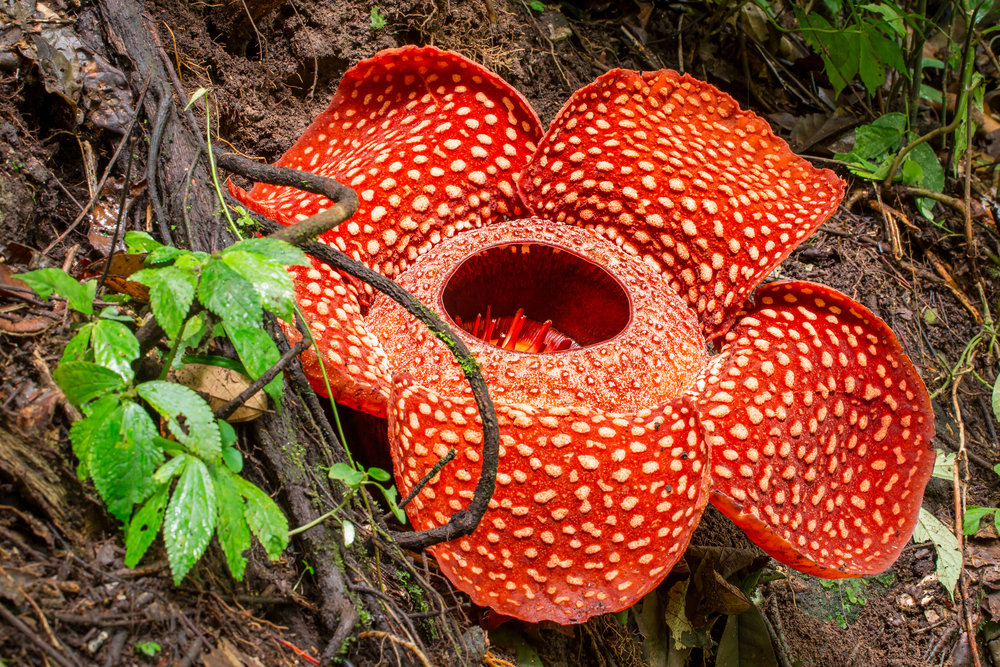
83,381
144,526
199,432
230,296
265,519
115,347
123,459
190,518
258,353
233,531
49,281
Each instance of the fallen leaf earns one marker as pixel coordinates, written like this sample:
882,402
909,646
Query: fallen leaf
221,385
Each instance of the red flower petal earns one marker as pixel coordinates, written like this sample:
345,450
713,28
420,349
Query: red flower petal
820,431
355,363
432,143
672,170
650,352
590,512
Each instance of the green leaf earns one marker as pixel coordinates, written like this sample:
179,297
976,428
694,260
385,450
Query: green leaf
148,648
507,637
230,296
745,642
350,476
233,458
139,242
84,433
973,515
279,251
392,499
889,52
171,293
996,403
171,469
232,528
912,172
112,313
892,17
269,278
123,459
227,433
77,348
379,475
199,433
949,556
144,526
871,69
165,255
115,347
930,166
213,360
190,519
84,381
47,281
265,519
258,353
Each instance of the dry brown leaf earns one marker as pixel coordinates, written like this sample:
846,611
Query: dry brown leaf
219,386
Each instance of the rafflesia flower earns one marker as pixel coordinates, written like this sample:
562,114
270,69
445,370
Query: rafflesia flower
587,269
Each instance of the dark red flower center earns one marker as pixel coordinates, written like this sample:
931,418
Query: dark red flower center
533,297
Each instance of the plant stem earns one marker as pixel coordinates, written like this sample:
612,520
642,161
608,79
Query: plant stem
318,520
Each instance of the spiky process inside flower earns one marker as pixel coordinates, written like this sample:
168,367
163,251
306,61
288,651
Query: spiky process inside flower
655,206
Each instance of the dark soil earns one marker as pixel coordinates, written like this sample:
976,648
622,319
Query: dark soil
268,79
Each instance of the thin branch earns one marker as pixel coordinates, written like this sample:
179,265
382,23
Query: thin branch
376,634
428,477
229,408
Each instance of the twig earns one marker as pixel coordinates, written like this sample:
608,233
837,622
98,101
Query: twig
428,477
396,640
964,612
18,624
106,174
121,213
229,408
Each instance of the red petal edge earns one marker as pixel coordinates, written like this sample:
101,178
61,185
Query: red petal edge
431,142
671,169
590,512
820,432
356,365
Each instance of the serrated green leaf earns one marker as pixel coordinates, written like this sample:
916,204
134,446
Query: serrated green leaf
47,281
269,278
84,381
123,460
949,556
139,242
171,293
265,519
144,526
258,353
171,469
115,347
973,515
232,528
78,347
230,296
82,433
165,255
350,476
279,251
190,518
199,433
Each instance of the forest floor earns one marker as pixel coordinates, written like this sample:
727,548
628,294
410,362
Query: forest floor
62,578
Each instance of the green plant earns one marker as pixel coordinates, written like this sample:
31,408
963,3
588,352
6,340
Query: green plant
537,5
378,20
148,648
186,484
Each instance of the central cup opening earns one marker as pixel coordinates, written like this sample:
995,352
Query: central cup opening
533,297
